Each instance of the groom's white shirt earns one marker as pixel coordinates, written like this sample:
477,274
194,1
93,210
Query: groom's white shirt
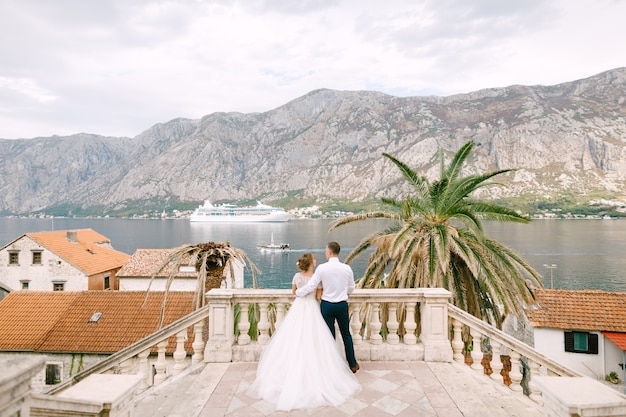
337,281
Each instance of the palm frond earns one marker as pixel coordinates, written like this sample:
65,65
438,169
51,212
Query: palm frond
437,240
411,176
203,257
454,169
360,217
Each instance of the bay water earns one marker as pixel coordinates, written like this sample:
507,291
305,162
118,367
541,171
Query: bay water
581,254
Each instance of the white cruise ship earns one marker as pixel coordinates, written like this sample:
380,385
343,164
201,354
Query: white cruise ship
230,213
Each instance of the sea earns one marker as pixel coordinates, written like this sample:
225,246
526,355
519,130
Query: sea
570,254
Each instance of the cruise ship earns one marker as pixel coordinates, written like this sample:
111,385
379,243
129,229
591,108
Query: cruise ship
230,213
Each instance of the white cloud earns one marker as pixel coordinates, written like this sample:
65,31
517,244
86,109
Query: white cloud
27,88
118,67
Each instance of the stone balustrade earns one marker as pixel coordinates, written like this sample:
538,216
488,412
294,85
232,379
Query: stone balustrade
139,358
386,325
383,324
497,347
15,396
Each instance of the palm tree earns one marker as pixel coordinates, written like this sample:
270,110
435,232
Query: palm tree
436,239
210,259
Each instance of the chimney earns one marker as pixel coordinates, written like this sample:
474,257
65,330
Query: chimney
72,236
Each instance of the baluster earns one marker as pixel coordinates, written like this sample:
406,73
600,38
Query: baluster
126,367
410,325
392,324
514,373
280,315
144,369
160,365
535,391
457,341
244,324
264,324
179,354
198,343
496,362
375,325
355,323
477,351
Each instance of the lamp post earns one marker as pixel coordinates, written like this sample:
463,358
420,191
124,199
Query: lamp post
551,267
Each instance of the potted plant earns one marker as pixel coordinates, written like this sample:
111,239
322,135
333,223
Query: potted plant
612,378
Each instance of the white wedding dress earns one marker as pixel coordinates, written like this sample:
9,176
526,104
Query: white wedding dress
301,366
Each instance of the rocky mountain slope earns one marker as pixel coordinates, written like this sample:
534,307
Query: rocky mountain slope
564,139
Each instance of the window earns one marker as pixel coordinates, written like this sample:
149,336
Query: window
107,283
36,257
25,284
95,317
53,374
14,258
581,342
58,286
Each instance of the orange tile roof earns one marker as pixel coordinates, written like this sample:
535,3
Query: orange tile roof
619,339
58,321
25,321
591,310
91,253
145,262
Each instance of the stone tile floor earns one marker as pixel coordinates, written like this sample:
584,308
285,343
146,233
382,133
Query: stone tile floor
400,389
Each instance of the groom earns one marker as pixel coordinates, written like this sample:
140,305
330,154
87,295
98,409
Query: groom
337,282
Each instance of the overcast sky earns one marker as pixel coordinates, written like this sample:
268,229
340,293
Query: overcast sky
117,67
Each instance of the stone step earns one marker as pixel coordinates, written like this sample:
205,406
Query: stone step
477,394
184,396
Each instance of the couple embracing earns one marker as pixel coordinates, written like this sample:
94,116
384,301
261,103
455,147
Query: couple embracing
302,365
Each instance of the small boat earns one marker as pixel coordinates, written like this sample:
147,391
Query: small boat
273,247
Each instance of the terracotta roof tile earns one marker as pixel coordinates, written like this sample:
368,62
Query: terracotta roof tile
26,321
591,310
145,262
619,339
91,252
56,321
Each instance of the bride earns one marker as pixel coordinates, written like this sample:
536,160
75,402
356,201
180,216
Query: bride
301,366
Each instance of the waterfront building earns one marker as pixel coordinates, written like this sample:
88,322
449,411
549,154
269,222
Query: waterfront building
63,260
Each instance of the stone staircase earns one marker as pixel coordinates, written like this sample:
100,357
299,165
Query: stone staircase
478,395
185,395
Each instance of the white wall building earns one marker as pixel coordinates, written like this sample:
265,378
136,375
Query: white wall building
136,274
73,330
65,260
584,330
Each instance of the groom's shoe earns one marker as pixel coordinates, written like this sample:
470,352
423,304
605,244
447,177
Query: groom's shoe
355,368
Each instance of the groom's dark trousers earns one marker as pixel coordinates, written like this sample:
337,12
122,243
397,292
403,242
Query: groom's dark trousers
339,311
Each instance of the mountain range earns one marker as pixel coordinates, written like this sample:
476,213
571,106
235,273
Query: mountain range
566,141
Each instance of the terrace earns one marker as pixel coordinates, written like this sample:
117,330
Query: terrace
408,341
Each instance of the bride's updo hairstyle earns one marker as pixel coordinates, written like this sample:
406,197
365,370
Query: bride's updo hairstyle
305,262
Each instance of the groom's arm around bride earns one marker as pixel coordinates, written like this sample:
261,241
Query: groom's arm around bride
337,281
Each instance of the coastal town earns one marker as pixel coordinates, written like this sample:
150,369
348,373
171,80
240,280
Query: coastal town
597,209
313,209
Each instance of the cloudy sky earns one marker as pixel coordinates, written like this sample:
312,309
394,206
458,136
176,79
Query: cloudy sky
117,67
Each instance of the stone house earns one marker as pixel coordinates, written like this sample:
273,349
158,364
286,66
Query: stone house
584,330
74,330
61,261
136,274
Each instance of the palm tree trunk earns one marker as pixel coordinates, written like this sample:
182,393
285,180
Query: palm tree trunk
214,276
